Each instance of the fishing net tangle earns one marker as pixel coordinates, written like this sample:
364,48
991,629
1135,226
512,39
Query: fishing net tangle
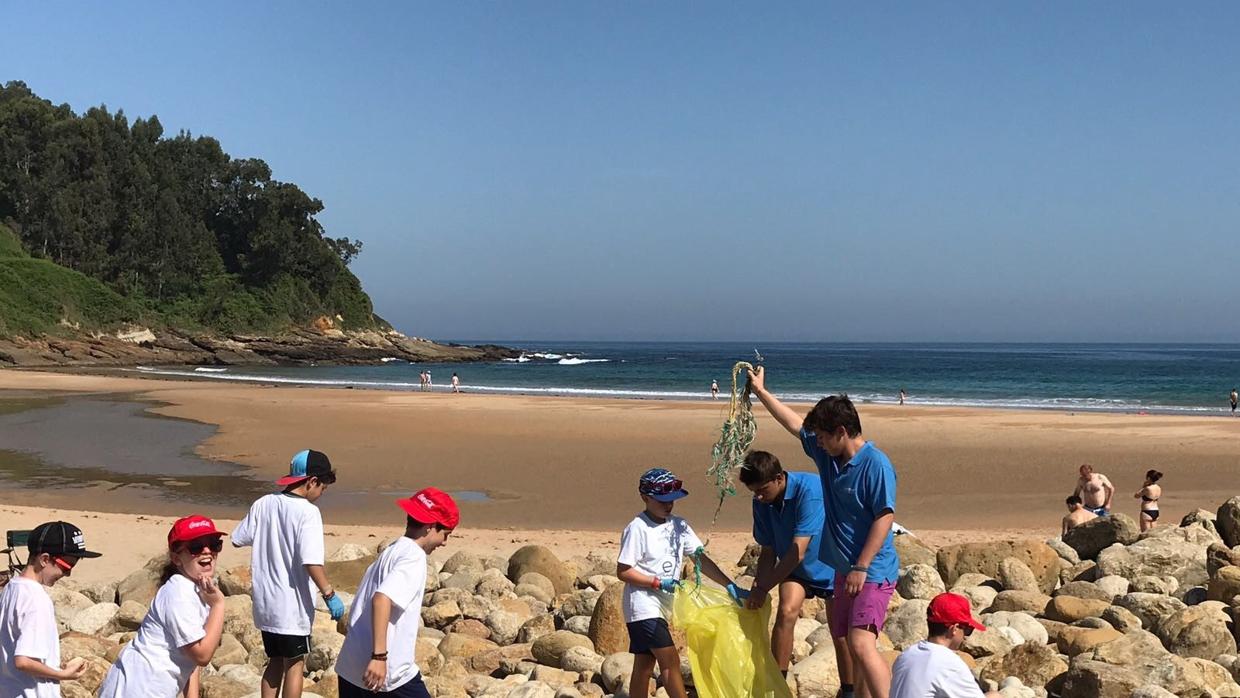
735,438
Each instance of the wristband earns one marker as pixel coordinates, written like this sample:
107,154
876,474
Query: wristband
329,597
860,568
654,584
381,656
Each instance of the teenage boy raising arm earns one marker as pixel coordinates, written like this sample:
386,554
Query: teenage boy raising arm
859,490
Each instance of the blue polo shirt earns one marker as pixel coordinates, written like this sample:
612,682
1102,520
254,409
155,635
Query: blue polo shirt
800,514
856,493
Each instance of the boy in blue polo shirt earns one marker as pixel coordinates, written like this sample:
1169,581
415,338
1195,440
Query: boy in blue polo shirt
859,490
788,519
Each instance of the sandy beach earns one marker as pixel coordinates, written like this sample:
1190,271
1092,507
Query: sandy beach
560,471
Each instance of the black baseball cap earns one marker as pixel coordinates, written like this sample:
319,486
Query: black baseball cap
307,464
58,538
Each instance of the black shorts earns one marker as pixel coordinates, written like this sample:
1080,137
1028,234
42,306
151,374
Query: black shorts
814,591
649,634
285,646
413,688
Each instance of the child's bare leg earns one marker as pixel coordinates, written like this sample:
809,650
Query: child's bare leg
639,681
669,671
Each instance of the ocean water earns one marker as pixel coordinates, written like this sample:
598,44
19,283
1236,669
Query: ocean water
1191,378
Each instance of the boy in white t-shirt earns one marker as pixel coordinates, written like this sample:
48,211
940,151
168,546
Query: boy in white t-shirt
286,530
652,550
931,668
29,640
378,653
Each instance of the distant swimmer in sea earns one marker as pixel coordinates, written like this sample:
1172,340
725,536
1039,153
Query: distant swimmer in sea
456,383
1077,514
1149,495
1095,490
714,392
422,380
1235,397
902,395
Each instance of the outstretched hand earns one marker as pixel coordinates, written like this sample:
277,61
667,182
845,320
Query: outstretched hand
738,594
757,378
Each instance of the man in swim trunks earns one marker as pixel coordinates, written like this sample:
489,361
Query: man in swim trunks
1235,397
1095,490
1077,514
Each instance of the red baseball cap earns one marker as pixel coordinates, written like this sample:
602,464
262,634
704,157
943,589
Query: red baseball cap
431,506
952,609
191,527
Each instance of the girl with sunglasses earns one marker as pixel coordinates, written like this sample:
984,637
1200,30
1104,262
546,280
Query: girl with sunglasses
182,629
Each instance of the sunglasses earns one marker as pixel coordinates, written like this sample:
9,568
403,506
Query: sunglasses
203,543
662,487
65,565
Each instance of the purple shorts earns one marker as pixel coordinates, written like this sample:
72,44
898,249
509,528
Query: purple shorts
867,608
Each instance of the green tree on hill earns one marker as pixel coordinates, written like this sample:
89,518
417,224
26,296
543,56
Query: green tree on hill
173,223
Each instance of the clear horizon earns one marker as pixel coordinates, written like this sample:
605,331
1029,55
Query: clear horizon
967,173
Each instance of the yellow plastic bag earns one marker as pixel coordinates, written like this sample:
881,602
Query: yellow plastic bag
729,647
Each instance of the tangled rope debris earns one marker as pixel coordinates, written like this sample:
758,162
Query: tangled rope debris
735,437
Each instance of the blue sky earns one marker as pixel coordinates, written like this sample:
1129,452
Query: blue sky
588,170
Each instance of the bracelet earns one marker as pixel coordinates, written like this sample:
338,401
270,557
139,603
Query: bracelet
654,584
381,656
860,568
329,597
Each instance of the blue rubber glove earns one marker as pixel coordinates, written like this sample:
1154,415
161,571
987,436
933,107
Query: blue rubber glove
668,584
738,594
335,606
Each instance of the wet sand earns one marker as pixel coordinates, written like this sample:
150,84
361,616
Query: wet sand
561,464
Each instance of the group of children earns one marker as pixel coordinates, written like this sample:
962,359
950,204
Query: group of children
825,536
185,622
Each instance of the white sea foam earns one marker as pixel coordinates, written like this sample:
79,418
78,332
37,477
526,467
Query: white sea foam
389,359
574,361
203,369
1055,404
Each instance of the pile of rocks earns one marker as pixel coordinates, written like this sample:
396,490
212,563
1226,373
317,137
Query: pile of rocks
1104,613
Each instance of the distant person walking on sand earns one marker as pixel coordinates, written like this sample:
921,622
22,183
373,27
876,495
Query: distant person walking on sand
902,395
788,522
859,490
456,383
1234,397
714,393
1149,495
1095,490
421,380
430,385
1077,514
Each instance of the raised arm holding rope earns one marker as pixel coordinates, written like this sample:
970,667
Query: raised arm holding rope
859,491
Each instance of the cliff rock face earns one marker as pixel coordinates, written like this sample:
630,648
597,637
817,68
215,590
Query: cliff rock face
301,346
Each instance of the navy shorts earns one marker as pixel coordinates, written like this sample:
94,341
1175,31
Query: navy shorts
413,688
814,591
279,646
647,635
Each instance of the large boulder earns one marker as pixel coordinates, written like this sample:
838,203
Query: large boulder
1031,602
1035,664
1152,609
1069,609
1029,629
817,676
608,631
906,624
616,670
141,584
550,648
1014,574
1225,584
99,619
912,551
68,603
984,558
1174,552
1093,679
1092,537
1085,590
920,582
1198,631
1227,522
1075,640
536,558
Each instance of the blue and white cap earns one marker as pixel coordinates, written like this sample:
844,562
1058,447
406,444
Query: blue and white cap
306,464
661,485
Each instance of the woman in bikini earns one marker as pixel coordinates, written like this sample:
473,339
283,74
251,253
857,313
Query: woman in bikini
1150,494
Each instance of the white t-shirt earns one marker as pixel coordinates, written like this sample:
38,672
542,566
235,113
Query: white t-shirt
27,629
930,670
287,534
154,664
658,550
400,575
